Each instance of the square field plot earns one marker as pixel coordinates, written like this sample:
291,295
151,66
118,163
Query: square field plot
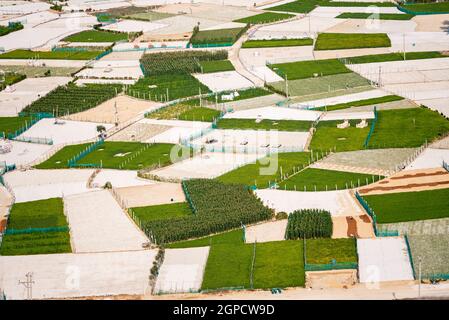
134,26
274,113
23,153
182,270
432,249
222,81
384,259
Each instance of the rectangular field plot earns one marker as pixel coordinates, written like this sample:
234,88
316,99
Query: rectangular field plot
432,249
323,251
418,227
429,158
222,81
12,124
274,113
335,41
23,153
229,237
63,55
185,112
308,69
162,212
280,125
384,259
153,194
96,36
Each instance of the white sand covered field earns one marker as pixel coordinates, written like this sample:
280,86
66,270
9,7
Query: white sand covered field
34,185
77,275
274,113
98,224
113,69
25,92
419,41
223,81
182,270
179,130
151,195
24,7
64,131
338,203
207,165
383,259
297,28
265,73
258,57
430,158
266,232
23,153
373,26
133,26
119,178
347,116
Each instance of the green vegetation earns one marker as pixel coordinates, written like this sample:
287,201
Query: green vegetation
96,36
323,251
305,6
221,36
216,66
381,16
265,17
360,103
41,71
114,155
35,243
179,61
162,212
260,173
309,223
335,41
167,87
185,112
308,69
252,124
434,7
243,94
432,249
407,128
395,57
72,98
9,78
410,206
12,124
277,43
64,55
11,27
230,237
37,214
324,180
329,137
218,207
136,13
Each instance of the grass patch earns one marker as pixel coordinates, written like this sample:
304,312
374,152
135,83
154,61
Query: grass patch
395,57
254,174
221,36
410,206
265,17
136,13
305,6
434,254
440,7
162,212
12,124
35,243
329,137
185,112
216,66
96,36
251,124
277,43
323,180
380,16
308,69
230,237
336,41
112,154
323,251
407,128
9,78
35,72
64,55
360,103
11,27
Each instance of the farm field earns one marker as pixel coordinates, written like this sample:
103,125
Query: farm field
360,103
280,125
323,251
242,95
185,112
216,66
96,36
410,206
162,212
277,43
395,57
253,174
65,55
222,36
265,17
114,155
229,237
432,249
336,41
36,71
309,223
308,5
136,13
307,69
10,78
381,16
324,180
12,124
441,7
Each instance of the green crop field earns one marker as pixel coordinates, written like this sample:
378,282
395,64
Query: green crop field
243,94
305,6
410,206
12,124
251,124
329,137
217,36
277,43
323,180
323,251
216,66
229,237
309,223
381,16
72,98
9,78
360,103
137,13
113,155
185,112
96,36
35,243
11,27
440,7
177,86
407,128
41,71
265,17
395,57
260,173
336,41
162,212
65,55
308,69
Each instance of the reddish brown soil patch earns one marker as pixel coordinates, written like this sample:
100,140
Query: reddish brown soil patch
352,227
365,218
407,186
2,225
418,175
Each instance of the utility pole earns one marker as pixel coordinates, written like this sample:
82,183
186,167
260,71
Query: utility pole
286,85
28,285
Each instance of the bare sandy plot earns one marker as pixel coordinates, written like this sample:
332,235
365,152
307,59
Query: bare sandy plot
98,224
151,195
139,131
338,203
31,185
182,24
127,108
348,115
298,28
431,23
373,26
419,41
441,105
258,57
252,103
275,113
266,232
182,270
410,180
176,131
430,158
133,26
119,178
23,153
126,55
352,226
77,275
346,53
25,92
223,81
441,144
383,259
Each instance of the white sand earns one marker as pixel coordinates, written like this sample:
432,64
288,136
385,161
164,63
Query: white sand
274,113
23,153
119,178
223,81
430,158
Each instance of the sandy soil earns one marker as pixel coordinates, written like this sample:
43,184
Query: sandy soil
265,232
331,279
431,23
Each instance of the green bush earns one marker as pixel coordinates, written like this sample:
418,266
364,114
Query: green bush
309,223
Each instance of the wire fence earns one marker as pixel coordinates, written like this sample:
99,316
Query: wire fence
445,166
73,161
371,129
409,251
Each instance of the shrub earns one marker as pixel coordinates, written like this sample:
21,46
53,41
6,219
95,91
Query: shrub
309,223
281,216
